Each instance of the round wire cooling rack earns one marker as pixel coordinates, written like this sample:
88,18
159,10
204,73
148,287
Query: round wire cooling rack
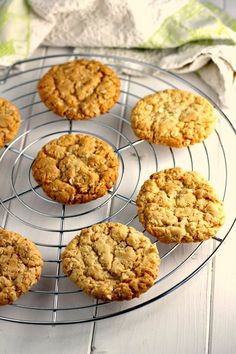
50,225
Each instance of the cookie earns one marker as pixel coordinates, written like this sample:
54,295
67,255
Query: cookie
179,206
111,261
76,168
79,89
9,121
174,118
20,266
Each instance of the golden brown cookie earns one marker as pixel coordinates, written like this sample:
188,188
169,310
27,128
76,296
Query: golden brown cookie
79,89
20,266
9,121
179,206
76,168
174,118
111,261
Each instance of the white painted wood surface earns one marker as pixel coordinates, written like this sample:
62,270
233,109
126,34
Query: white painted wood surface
198,318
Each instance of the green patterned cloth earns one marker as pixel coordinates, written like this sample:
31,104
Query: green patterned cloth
179,35
14,31
196,23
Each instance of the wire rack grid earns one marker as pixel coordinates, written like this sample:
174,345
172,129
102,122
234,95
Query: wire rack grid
26,209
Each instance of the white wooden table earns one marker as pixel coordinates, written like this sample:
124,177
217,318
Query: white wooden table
198,318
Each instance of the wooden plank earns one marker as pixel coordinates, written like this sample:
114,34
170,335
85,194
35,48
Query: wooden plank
223,308
223,311
176,324
27,339
145,330
51,339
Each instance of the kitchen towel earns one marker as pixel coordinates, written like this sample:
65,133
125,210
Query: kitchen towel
178,35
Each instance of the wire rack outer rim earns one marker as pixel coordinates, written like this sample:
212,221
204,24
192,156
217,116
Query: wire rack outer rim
188,277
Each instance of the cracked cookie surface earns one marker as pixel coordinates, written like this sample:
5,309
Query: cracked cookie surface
173,117
80,89
20,266
111,261
76,168
9,121
175,205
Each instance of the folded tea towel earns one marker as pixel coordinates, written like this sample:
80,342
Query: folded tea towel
179,35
